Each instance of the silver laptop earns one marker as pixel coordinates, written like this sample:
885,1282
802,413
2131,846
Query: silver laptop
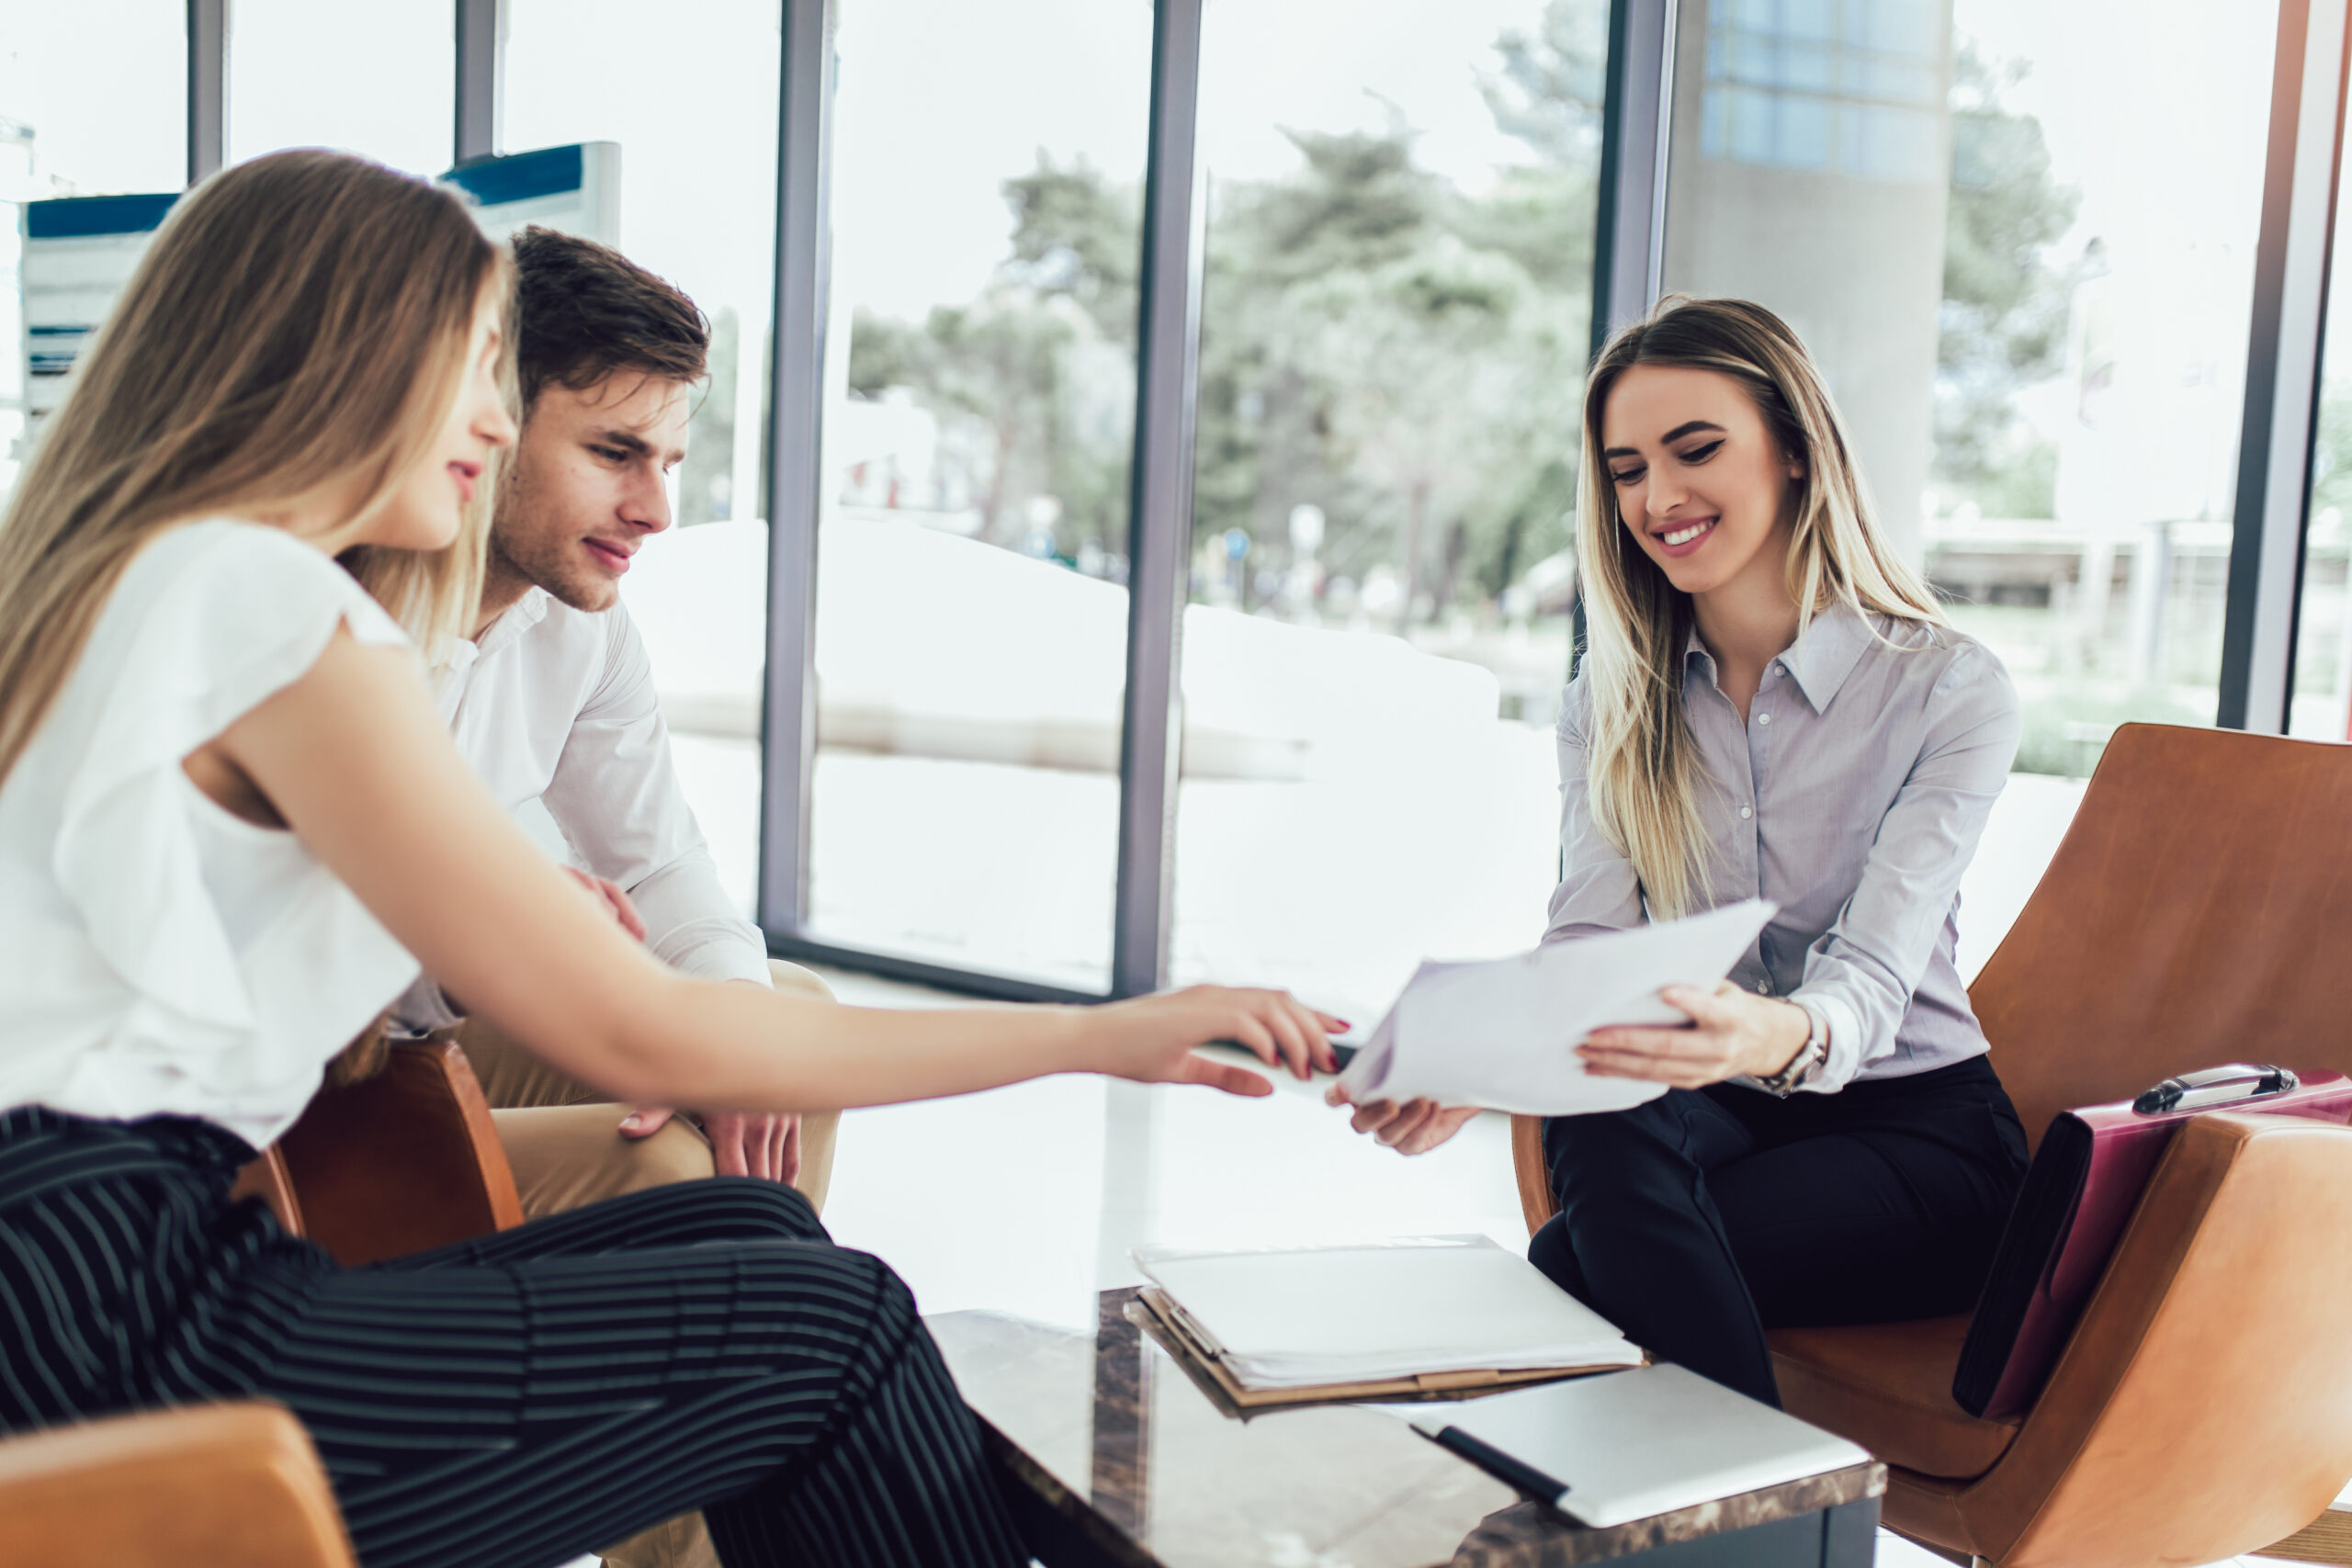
1631,1444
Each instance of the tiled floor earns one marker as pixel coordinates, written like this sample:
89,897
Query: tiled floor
1025,1200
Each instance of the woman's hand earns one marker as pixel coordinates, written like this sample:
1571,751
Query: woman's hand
1150,1039
1732,1031
1413,1128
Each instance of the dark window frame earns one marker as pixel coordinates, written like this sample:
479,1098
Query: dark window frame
2285,355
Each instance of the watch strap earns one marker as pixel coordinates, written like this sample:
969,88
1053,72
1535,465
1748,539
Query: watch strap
1808,1059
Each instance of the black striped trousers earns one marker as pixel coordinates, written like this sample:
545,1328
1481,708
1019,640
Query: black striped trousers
519,1400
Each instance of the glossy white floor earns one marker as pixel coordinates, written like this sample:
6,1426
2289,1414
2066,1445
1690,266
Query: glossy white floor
1025,1200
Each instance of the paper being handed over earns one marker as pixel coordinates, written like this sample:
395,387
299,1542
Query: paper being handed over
1502,1034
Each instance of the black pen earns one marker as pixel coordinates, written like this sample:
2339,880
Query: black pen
1516,1474
1341,1054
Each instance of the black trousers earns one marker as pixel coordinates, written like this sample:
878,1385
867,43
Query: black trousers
519,1400
1698,1221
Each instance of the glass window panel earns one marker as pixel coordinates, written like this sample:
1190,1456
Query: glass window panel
2040,351
1733,56
2322,707
1755,118
93,102
1806,18
1894,77
1809,67
980,425
1803,133
691,104
1890,143
1397,316
378,79
1906,27
95,92
1814,67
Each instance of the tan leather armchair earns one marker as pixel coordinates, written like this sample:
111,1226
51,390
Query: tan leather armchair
401,1161
2194,915
218,1484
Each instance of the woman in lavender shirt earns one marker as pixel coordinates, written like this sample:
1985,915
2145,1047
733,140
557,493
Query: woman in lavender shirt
1772,706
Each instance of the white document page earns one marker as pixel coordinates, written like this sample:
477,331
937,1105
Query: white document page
1308,1316
1502,1034
1637,1444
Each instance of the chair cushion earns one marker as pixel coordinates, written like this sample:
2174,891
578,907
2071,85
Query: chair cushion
1888,1387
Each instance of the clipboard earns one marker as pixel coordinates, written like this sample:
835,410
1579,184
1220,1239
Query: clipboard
1184,1340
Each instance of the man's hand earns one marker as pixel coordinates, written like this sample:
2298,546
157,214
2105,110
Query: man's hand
609,897
764,1145
1732,1031
1413,1128
767,1146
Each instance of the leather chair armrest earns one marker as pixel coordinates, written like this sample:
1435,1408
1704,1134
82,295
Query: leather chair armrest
266,1178
215,1483
2208,1369
1535,1200
401,1161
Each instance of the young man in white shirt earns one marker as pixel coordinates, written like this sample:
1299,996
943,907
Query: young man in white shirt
552,700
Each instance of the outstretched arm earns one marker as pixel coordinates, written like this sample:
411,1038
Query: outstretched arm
355,759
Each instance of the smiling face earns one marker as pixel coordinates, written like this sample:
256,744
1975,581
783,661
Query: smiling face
1700,483
426,510
586,489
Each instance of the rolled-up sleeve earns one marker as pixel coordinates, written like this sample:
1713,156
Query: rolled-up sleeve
1860,976
1598,890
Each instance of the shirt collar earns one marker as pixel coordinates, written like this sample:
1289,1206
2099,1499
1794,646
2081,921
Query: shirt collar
1827,652
520,617
1820,659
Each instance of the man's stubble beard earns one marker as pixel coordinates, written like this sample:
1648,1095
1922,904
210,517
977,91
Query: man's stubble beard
544,563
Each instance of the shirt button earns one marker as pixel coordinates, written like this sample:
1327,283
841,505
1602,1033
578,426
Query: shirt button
1763,718
1745,813
1764,986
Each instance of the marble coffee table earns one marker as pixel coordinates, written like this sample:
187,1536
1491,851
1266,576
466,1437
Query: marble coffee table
1121,1455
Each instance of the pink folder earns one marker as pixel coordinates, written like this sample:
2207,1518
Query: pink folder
2079,1193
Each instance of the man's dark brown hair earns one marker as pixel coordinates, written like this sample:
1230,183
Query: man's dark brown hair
583,310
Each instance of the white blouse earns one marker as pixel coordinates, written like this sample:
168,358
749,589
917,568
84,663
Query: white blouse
159,954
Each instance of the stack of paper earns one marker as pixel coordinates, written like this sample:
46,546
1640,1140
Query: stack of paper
1379,1312
1502,1034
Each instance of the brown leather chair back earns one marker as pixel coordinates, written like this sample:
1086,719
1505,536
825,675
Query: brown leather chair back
401,1161
2192,917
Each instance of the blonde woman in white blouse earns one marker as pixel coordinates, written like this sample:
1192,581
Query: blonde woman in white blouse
232,825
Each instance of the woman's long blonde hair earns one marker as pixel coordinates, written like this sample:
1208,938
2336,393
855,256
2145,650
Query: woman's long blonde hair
1644,771
301,323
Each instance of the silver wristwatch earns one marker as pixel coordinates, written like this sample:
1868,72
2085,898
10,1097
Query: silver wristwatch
1802,1065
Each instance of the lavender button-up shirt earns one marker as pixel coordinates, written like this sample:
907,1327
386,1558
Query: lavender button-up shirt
1852,798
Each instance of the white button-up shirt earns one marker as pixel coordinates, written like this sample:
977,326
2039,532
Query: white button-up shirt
1852,798
557,706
